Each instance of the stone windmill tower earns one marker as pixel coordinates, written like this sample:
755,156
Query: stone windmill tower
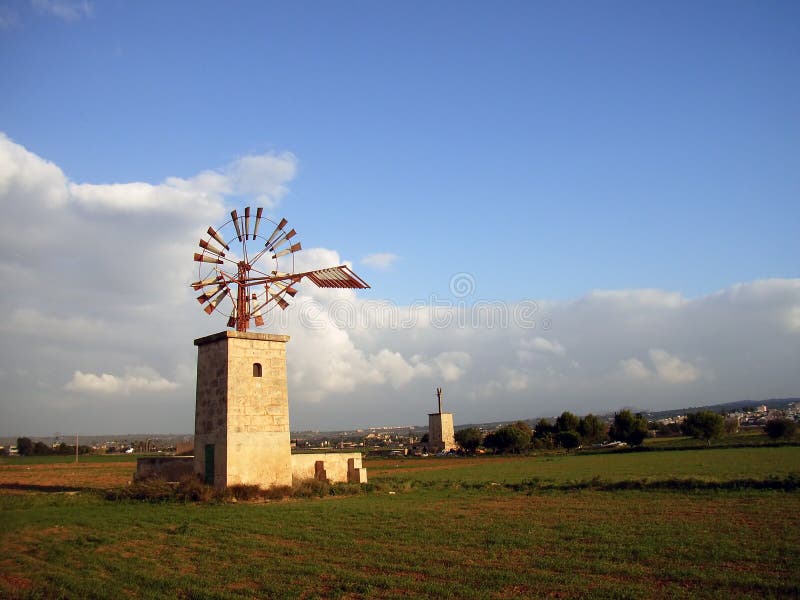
440,429
242,400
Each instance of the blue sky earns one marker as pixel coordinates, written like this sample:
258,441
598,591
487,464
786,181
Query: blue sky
597,144
547,149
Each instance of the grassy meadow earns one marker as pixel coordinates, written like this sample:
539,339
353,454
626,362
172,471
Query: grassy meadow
436,527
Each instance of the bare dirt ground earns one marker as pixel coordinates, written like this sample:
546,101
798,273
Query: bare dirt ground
64,477
24,478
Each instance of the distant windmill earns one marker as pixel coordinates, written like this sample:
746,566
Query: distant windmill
244,274
441,435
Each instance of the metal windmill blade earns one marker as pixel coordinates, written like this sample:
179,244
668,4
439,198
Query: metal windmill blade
244,283
336,277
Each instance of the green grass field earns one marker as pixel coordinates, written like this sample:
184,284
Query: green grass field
420,534
711,464
57,460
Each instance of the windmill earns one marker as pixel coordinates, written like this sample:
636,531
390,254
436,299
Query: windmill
244,274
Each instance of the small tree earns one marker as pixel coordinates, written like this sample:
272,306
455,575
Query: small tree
543,435
524,428
628,428
780,428
567,422
42,449
469,439
509,438
592,429
703,425
731,425
24,446
543,429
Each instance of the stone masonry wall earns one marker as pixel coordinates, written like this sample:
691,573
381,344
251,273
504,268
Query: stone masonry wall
211,408
335,467
441,435
259,449
244,416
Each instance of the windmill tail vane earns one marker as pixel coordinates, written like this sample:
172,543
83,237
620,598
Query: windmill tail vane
244,273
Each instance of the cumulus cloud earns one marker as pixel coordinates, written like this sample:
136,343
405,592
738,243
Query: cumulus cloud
633,368
101,275
262,177
665,367
671,368
452,365
627,299
145,381
100,278
380,261
396,369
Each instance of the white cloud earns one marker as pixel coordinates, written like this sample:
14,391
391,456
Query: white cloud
628,299
396,370
42,181
506,381
66,10
633,368
100,278
544,346
262,177
105,384
793,318
666,368
380,261
671,368
514,379
452,365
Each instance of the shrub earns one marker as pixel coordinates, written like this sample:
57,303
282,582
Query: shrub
191,489
277,492
568,439
780,428
245,491
152,489
309,488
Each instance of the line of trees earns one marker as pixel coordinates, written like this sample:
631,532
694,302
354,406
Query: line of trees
570,431
27,447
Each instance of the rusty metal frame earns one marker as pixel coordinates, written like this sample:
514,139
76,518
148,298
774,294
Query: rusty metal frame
247,304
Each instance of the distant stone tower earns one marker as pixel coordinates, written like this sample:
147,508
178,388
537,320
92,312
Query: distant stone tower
242,412
440,429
